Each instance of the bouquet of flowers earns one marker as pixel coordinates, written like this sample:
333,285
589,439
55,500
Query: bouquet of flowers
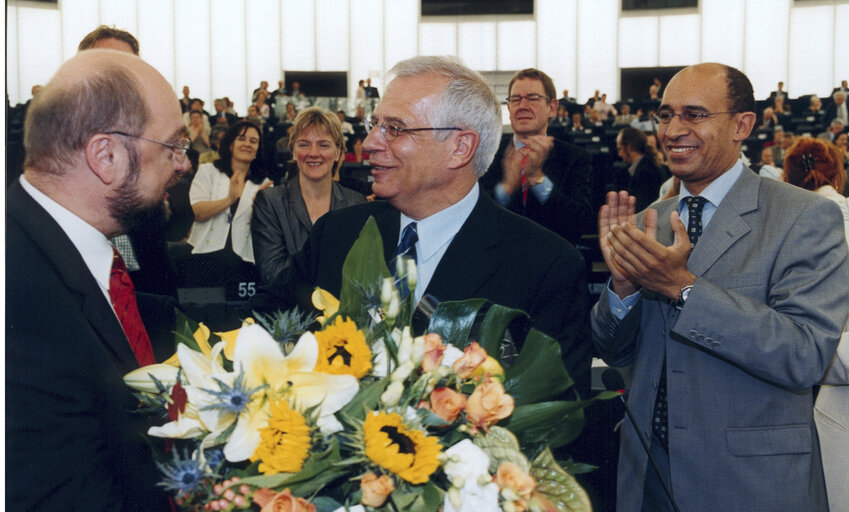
358,414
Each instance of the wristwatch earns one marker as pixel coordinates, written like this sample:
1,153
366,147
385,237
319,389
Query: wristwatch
683,295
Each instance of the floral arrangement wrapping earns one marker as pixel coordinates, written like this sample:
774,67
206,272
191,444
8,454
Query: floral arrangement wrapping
358,414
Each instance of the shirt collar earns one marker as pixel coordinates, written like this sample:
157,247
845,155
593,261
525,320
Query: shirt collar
517,143
92,245
718,188
439,229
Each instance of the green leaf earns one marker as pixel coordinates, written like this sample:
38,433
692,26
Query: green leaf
366,399
453,321
501,446
558,486
362,273
319,470
553,423
537,374
493,326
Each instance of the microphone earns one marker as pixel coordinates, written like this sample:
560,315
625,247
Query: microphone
613,381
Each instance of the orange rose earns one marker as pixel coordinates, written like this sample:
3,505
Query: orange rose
375,489
281,501
433,351
472,357
488,404
510,475
447,403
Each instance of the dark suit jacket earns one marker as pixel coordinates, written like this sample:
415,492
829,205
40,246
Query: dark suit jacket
757,332
831,114
568,210
644,184
71,441
496,255
281,225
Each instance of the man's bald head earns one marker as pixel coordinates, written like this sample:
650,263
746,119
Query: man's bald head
97,91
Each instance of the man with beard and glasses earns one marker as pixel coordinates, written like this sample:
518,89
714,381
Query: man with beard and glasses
103,143
143,247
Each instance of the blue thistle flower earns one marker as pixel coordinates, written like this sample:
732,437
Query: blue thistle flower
182,475
232,399
214,458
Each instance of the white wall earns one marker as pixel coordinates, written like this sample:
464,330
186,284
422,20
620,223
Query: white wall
225,47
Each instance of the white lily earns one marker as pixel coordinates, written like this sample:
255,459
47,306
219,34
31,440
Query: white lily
259,356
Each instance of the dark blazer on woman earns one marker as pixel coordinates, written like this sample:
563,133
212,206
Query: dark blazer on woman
280,227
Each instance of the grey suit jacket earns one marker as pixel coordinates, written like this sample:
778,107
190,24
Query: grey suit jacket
281,225
758,330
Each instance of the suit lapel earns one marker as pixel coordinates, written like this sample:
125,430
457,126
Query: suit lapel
466,265
299,207
69,265
727,224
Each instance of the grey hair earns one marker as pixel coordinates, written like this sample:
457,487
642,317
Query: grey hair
839,93
467,102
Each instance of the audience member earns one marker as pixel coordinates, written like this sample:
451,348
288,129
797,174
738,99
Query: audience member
186,100
567,101
197,106
577,123
197,133
261,106
605,110
780,106
844,88
254,116
535,175
644,121
837,109
561,120
817,166
815,105
371,92
102,146
779,93
785,139
768,120
625,117
263,87
466,246
357,154
841,143
284,215
221,116
347,128
291,114
729,335
643,177
222,196
360,93
835,128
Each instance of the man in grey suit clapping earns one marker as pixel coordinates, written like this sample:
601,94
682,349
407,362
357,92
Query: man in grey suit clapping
729,300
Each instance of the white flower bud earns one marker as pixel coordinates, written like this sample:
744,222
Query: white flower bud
454,497
400,267
458,481
418,350
394,306
403,371
386,289
508,506
392,395
412,274
405,346
484,479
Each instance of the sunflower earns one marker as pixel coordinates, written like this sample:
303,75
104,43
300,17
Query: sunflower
285,441
343,350
408,453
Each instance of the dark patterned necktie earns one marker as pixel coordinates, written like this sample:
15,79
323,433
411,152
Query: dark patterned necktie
695,205
660,418
406,247
123,297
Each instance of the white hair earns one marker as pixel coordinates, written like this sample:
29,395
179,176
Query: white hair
467,102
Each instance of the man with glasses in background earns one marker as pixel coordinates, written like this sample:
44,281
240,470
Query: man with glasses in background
102,144
431,138
535,175
728,300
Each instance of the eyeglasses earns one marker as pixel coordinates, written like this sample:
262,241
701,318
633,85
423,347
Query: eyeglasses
687,116
391,132
533,99
178,150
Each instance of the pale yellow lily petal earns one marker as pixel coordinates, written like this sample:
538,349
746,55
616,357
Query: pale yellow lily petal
202,339
183,428
325,301
140,380
258,355
329,392
246,437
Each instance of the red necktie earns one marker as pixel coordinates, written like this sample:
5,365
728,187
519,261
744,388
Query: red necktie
523,180
123,297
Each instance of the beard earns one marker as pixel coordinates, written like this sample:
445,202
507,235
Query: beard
133,212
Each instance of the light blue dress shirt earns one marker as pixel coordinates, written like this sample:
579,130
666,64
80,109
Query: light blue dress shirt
435,235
